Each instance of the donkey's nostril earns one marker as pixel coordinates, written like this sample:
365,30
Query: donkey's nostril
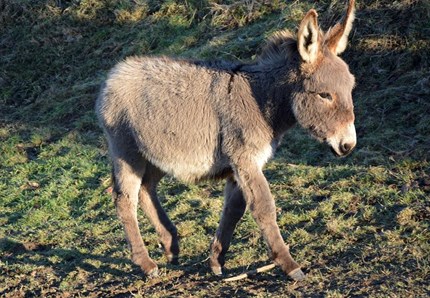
345,148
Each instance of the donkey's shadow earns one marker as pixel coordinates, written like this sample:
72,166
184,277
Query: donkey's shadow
14,252
68,260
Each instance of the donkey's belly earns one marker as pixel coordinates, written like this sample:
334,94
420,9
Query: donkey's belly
193,173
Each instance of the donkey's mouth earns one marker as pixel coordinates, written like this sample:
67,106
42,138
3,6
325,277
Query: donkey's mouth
335,152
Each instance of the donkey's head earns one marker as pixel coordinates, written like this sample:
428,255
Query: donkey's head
323,103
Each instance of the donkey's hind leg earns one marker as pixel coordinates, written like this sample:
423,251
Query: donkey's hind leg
234,208
129,167
156,214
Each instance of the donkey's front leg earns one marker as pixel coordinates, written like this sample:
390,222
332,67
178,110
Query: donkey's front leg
262,206
234,207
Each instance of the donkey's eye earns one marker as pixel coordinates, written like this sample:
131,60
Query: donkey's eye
326,96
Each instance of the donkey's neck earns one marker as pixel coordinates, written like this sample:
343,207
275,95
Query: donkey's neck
272,89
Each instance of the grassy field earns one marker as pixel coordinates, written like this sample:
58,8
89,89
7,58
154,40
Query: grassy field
359,226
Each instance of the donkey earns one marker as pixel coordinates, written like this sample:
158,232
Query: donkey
197,120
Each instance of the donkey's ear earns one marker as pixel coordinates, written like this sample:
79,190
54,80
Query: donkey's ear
308,42
337,37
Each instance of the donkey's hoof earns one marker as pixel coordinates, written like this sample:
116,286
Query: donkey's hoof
152,273
297,274
173,259
150,269
217,270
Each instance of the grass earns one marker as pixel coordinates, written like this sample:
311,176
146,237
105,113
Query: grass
359,226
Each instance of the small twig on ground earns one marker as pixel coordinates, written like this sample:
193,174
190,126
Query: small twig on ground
249,273
199,262
402,152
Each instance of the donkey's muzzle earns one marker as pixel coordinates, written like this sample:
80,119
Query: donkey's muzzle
344,141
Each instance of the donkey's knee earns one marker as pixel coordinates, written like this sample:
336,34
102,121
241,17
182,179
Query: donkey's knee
235,211
126,206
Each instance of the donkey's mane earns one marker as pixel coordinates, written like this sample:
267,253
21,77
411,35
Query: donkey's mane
280,46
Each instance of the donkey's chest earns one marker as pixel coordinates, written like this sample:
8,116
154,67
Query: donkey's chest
263,156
